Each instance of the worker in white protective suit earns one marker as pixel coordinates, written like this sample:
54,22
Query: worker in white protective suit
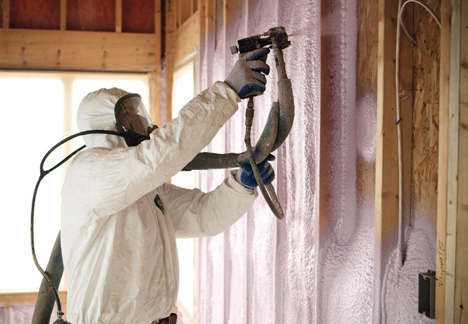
120,217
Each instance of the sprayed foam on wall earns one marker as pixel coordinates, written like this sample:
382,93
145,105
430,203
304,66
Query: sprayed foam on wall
318,264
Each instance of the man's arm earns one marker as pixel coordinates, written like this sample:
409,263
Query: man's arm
195,213
118,177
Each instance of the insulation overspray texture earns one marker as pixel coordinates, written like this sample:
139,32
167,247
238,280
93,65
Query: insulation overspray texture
346,241
266,267
318,265
366,115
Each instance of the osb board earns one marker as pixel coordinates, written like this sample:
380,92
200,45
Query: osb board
426,61
366,85
138,16
35,14
91,15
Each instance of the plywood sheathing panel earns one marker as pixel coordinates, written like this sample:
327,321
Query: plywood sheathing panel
91,15
35,14
426,60
74,50
138,16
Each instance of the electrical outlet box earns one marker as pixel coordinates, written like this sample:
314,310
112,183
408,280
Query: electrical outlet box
426,297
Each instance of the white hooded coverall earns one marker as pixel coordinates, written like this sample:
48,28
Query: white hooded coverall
120,218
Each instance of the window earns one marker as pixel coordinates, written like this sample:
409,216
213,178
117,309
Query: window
183,90
39,110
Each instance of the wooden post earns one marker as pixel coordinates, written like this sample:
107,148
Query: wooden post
178,14
452,174
170,30
461,269
456,273
209,20
442,182
386,222
118,16
6,14
155,76
387,169
63,14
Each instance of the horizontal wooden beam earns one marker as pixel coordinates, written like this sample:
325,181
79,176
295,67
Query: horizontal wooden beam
77,50
12,298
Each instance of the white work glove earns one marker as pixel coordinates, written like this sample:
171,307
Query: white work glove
246,75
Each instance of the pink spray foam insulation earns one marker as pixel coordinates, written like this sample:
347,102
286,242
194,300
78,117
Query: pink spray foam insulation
366,115
319,264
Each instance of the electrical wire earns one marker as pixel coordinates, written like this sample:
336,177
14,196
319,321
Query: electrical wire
398,118
268,191
425,6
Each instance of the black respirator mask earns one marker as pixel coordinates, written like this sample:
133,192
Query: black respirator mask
132,119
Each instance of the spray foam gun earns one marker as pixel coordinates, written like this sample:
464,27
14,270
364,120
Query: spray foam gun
278,124
281,114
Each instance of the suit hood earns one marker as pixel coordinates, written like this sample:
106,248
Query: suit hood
96,112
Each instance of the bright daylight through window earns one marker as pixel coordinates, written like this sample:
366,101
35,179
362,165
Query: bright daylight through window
183,91
39,111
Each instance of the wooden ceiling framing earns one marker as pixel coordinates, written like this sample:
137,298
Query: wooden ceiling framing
101,35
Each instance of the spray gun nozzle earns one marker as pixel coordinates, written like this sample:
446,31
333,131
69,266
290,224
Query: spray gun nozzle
276,36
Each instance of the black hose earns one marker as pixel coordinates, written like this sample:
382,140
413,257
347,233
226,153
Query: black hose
268,191
45,297
43,173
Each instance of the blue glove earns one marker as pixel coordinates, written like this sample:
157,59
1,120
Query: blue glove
246,75
246,177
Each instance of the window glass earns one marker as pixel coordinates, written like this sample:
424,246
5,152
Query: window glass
182,92
39,110
32,109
